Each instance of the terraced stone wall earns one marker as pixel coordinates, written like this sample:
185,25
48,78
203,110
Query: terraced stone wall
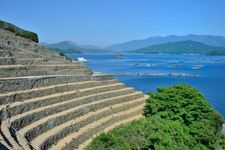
50,102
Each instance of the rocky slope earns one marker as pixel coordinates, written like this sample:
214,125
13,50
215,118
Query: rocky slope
49,102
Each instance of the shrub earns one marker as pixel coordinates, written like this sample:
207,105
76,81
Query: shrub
18,31
177,117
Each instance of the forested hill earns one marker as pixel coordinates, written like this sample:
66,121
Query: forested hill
137,44
71,47
182,47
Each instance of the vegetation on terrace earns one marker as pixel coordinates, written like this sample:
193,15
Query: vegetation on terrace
18,31
176,117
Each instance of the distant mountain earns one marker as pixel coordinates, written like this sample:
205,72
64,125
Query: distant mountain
90,47
183,47
66,51
137,44
63,45
71,47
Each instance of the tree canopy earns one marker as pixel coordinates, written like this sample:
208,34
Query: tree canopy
176,117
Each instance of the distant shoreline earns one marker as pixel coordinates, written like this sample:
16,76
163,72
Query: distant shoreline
152,74
144,54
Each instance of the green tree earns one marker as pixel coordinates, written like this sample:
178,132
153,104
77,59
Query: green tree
177,117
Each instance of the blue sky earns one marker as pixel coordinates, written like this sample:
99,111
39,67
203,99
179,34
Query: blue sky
104,22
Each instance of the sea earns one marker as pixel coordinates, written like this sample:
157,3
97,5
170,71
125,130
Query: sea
147,72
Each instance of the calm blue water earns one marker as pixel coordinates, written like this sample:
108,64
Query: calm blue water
211,80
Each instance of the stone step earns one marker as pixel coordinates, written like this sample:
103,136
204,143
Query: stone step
73,105
34,103
40,126
21,120
26,55
29,70
7,61
5,128
19,107
53,135
116,120
73,112
12,84
42,91
22,95
4,143
35,53
22,106
4,146
114,125
85,133
32,61
4,53
31,51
